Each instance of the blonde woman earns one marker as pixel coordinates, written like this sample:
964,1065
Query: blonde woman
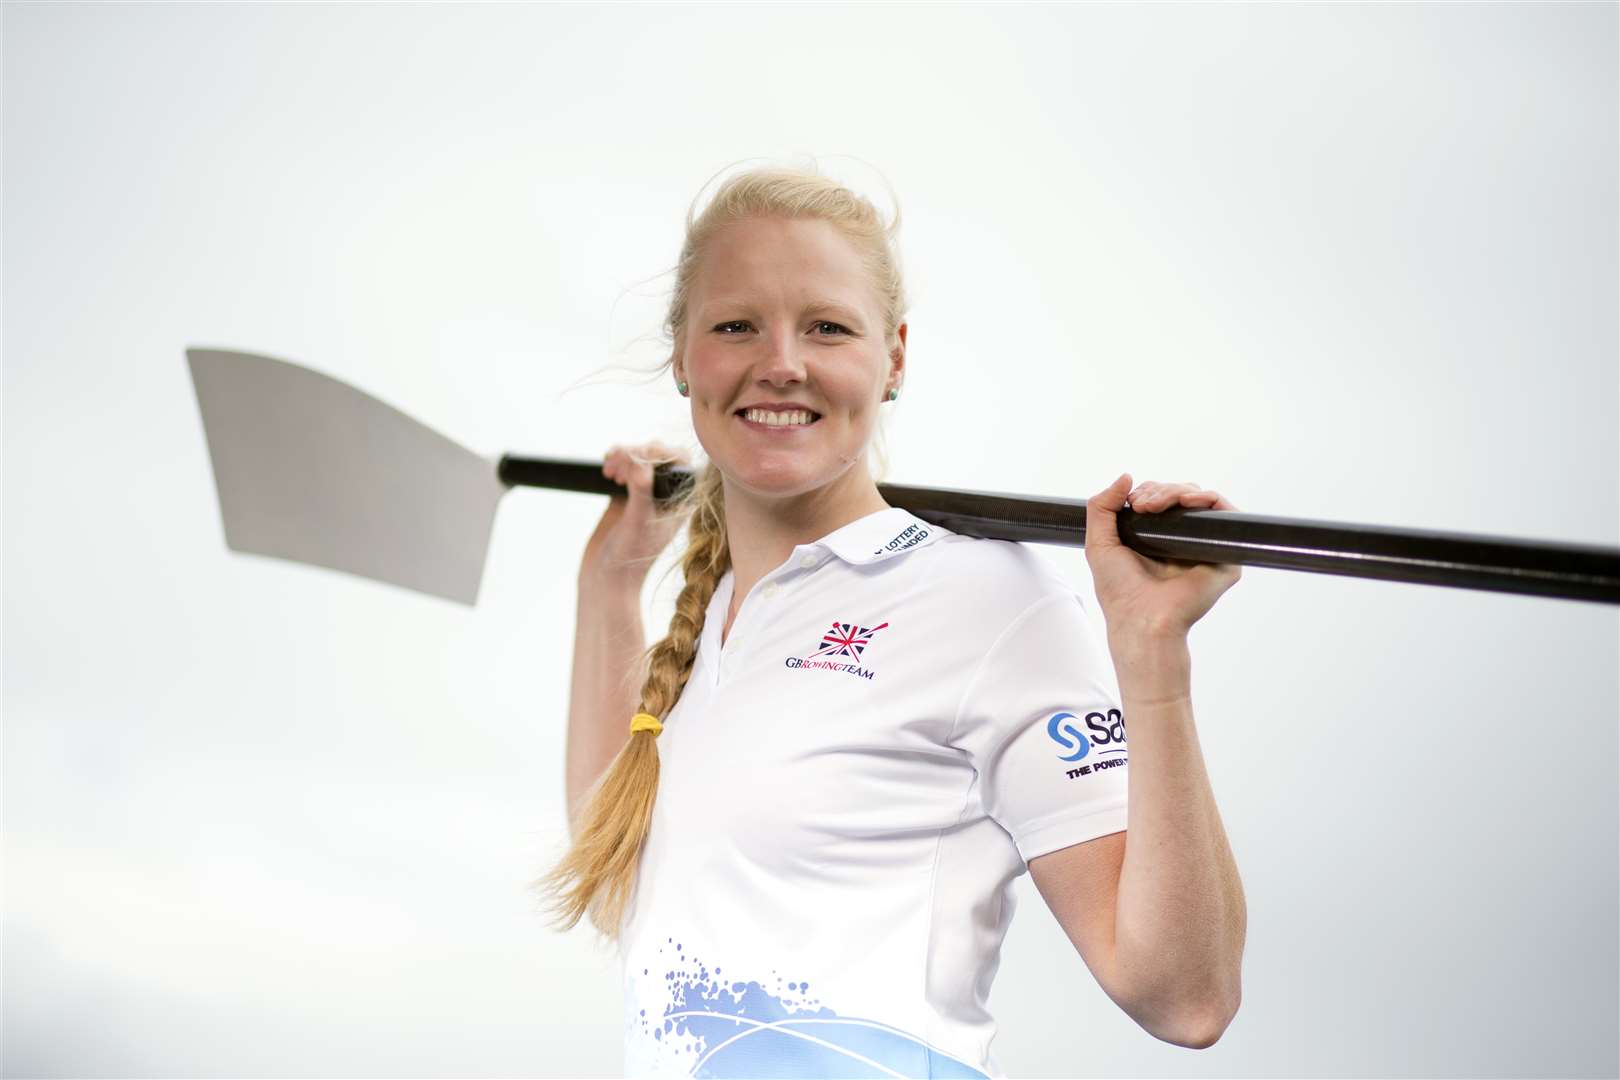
803,827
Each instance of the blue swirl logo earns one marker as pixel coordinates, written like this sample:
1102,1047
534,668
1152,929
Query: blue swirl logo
1068,736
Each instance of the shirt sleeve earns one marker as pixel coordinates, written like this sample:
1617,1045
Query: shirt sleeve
1042,724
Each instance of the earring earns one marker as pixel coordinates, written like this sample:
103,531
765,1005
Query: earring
681,386
894,393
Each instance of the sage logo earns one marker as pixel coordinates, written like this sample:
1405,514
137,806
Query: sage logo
1106,728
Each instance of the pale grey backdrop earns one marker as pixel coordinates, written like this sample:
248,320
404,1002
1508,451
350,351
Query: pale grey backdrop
1349,262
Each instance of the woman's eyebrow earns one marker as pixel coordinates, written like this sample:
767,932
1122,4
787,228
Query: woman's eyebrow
813,305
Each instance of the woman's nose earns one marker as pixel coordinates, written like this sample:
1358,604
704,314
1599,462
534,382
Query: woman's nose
782,361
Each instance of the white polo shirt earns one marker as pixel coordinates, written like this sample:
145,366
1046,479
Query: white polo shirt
901,718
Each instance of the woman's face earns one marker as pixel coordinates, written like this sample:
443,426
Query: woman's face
781,312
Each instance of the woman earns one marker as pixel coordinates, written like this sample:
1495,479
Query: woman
861,727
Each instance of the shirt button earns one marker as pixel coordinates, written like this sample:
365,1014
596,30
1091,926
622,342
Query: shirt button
769,590
808,561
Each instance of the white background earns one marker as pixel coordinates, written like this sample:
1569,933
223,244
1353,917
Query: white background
1334,261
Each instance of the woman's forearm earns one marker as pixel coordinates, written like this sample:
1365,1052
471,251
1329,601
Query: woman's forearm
1181,919
606,681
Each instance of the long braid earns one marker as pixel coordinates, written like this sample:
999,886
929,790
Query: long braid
618,810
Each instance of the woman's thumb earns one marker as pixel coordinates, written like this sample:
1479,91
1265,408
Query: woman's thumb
1112,497
1101,509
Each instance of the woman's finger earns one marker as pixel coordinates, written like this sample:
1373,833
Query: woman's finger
1153,494
644,457
1213,499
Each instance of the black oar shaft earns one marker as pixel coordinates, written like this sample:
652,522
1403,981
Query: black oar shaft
1460,560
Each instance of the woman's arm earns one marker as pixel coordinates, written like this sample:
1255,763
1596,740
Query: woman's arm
607,678
1181,919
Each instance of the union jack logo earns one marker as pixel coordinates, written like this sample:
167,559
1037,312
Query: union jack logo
846,639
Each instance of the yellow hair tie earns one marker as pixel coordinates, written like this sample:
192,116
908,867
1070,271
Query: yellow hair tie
646,722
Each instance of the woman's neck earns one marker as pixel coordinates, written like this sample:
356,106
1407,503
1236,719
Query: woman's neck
763,533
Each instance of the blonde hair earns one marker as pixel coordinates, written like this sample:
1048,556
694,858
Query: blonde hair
597,875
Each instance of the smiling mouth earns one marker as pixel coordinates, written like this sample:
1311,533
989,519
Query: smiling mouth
742,414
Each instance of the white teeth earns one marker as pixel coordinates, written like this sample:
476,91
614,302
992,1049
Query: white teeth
776,419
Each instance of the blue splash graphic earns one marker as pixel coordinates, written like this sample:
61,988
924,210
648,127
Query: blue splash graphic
732,1028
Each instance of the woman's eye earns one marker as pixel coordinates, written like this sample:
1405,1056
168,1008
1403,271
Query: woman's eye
722,328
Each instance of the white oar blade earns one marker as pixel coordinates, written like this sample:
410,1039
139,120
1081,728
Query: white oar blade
312,470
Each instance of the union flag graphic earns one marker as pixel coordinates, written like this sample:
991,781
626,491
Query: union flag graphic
845,639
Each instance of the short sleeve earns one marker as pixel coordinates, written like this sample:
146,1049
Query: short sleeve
1043,726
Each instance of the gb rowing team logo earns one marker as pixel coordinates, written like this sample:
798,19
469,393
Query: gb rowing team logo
1107,734
845,639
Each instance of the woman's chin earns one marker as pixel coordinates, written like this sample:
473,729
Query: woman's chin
772,475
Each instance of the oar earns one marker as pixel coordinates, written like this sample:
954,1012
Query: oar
313,470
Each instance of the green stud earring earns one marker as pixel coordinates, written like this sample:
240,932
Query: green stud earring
894,393
681,386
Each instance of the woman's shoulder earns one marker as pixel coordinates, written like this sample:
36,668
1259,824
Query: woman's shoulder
1008,575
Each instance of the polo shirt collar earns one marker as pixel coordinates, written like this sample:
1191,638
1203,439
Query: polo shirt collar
880,535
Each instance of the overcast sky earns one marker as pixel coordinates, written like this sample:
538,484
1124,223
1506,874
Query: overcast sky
1334,261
